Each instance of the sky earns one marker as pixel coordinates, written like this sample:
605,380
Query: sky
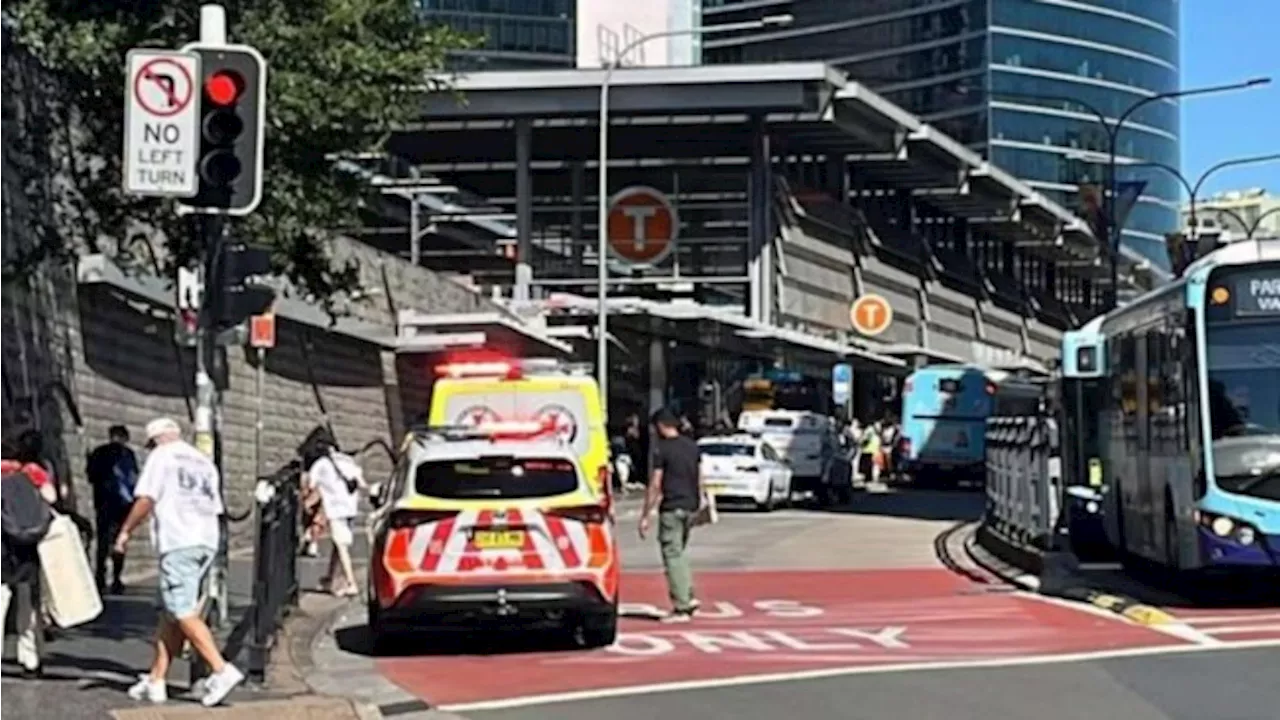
1221,47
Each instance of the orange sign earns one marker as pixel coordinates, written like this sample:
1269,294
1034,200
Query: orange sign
642,226
871,315
262,331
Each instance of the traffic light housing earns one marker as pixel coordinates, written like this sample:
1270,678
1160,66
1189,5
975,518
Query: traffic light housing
232,121
241,291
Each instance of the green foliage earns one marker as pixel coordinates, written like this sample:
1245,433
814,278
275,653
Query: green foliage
341,73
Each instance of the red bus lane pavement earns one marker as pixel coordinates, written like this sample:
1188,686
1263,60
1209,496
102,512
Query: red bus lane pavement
1230,626
768,622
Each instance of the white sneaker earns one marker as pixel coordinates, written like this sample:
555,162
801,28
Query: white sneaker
145,689
219,685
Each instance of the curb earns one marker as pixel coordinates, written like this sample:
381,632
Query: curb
1010,574
1126,607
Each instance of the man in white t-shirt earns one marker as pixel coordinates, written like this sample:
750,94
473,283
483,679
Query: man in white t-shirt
338,478
180,488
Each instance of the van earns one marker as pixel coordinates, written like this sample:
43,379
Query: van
545,391
805,440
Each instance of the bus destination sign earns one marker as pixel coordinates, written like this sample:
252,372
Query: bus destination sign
1257,293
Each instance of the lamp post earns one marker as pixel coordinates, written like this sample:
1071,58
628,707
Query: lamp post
1193,189
1112,128
602,247
1249,228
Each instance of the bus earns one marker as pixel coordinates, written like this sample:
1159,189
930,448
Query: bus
1189,421
1083,386
781,390
944,418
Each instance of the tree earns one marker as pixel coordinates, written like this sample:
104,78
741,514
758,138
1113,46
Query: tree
342,75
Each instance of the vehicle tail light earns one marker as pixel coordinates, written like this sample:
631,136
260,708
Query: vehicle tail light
906,386
605,477
991,388
590,514
401,519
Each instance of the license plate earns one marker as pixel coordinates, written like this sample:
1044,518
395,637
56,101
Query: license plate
716,487
498,539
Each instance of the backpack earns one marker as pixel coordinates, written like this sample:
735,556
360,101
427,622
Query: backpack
24,515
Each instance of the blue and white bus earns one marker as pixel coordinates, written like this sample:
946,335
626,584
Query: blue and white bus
944,418
1190,425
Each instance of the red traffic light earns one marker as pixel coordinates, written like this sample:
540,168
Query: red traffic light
223,87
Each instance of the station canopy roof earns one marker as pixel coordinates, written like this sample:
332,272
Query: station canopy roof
705,114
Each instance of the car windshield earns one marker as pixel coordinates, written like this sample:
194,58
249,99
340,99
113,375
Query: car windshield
496,477
1244,406
727,450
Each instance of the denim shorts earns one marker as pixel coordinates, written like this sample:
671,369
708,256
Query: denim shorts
182,574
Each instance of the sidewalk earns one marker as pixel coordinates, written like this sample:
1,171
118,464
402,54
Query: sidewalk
87,669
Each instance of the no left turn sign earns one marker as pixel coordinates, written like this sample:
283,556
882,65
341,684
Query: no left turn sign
163,87
162,122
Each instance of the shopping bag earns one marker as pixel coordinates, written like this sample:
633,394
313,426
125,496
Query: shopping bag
68,588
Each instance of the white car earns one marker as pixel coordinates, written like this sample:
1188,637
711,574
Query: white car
744,467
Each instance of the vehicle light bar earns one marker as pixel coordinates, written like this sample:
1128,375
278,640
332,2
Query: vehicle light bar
511,368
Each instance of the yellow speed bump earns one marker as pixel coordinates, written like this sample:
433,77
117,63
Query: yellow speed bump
1147,615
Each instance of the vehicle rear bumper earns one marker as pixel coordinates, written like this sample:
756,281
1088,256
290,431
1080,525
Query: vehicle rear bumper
464,607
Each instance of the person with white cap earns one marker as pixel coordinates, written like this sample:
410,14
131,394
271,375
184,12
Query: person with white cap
180,488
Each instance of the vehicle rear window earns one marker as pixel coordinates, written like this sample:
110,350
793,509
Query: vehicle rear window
496,477
777,422
949,386
727,450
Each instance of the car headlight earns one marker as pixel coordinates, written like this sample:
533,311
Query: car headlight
1222,526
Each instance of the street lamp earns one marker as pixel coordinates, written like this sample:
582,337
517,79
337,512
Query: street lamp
602,247
1193,189
1249,228
1113,135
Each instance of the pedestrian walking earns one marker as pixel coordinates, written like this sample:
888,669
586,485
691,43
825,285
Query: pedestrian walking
338,479
180,488
112,470
27,497
677,497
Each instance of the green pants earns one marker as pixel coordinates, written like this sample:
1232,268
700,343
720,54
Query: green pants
673,538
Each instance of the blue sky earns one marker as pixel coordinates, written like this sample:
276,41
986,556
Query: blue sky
1224,46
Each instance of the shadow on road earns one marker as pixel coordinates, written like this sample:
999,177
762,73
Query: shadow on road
1154,586
955,505
356,639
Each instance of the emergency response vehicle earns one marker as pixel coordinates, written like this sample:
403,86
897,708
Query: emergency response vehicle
492,525
474,389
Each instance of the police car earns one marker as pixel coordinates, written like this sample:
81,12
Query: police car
492,525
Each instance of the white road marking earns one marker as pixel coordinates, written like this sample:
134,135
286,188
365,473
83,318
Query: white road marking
772,678
1223,619
1180,630
1244,629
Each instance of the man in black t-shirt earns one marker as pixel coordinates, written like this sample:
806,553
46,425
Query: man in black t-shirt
675,493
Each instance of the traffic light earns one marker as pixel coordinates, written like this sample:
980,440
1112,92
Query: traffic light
241,291
232,120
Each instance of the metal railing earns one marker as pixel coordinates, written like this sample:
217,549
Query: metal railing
275,563
1023,481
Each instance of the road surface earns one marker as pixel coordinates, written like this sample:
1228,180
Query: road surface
871,611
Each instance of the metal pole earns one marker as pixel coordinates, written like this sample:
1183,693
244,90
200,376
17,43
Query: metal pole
258,412
1113,230
415,231
602,244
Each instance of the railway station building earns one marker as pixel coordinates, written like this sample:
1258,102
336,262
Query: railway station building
749,207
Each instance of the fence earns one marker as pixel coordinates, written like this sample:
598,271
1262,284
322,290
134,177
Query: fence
1023,481
275,563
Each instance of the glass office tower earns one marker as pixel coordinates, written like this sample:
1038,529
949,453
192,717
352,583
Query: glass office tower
1021,81
518,34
